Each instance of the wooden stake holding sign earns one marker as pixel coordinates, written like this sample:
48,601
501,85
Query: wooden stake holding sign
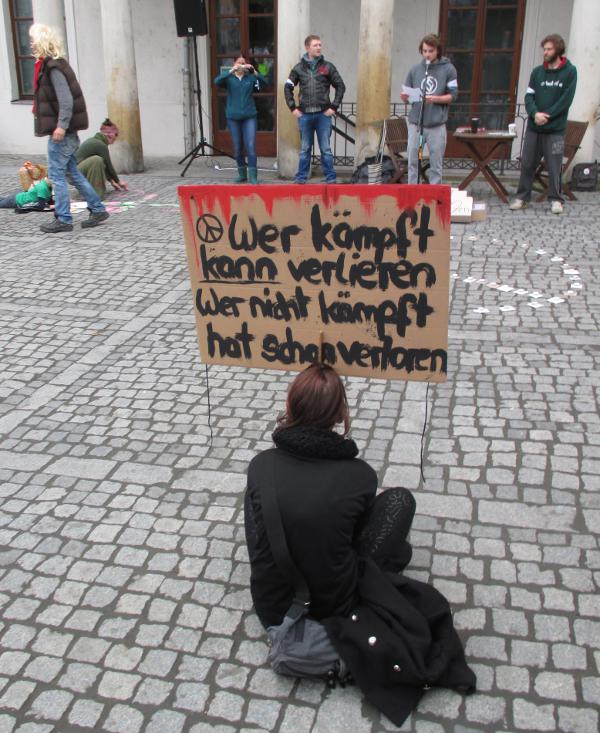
356,276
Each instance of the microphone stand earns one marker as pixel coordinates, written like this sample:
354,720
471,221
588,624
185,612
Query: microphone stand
421,119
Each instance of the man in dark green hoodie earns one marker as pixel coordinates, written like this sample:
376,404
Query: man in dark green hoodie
548,98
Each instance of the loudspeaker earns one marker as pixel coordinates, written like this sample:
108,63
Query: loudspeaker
190,17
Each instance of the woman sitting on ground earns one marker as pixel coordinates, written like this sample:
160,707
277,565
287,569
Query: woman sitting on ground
93,159
350,547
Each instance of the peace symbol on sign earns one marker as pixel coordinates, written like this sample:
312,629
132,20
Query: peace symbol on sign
209,228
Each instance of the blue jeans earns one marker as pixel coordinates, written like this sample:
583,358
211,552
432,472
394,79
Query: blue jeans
62,164
310,123
8,202
243,134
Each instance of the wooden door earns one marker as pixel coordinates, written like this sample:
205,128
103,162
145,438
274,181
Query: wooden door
482,38
248,27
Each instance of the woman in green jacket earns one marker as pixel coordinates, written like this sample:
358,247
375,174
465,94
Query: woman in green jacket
241,81
93,159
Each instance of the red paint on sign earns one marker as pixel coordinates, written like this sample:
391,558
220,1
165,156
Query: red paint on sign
407,197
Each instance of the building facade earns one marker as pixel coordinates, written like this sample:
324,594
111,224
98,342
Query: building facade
493,43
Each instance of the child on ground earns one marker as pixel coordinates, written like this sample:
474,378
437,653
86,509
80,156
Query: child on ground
36,199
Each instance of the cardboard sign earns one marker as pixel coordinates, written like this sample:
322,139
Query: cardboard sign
356,276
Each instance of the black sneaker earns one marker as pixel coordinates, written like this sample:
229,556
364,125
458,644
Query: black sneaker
39,206
95,218
56,226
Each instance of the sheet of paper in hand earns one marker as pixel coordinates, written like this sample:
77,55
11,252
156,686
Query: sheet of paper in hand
356,276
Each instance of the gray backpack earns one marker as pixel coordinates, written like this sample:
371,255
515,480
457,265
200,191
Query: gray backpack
300,646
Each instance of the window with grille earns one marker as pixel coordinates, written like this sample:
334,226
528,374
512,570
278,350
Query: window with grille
482,38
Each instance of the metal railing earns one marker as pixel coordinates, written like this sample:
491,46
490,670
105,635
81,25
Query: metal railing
491,116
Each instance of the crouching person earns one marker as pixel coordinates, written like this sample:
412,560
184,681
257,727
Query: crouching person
326,557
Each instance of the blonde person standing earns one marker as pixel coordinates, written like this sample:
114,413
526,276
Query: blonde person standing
60,112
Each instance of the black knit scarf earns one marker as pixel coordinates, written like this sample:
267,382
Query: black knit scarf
312,442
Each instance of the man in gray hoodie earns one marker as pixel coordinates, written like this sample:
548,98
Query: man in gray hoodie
435,76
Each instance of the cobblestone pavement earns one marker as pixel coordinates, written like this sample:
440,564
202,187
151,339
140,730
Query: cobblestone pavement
124,602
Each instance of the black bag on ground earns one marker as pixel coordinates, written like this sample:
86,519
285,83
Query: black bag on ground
585,176
361,173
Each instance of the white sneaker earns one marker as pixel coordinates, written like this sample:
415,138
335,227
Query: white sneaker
556,207
517,204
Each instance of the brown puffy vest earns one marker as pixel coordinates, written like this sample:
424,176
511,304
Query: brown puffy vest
46,103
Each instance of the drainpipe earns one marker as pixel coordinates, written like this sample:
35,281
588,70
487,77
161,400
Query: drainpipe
189,125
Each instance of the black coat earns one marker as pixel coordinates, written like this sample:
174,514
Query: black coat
323,493
399,641
315,80
395,634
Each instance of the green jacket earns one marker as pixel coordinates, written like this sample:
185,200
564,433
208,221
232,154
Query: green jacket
97,145
39,193
240,93
551,91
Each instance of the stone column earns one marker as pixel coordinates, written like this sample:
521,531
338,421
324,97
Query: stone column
51,13
121,84
374,74
583,50
292,29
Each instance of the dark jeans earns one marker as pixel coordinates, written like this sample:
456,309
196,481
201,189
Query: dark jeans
8,202
309,123
383,536
243,135
550,146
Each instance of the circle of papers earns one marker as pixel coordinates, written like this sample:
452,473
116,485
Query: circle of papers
571,272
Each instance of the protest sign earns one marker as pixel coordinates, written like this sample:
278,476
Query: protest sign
286,275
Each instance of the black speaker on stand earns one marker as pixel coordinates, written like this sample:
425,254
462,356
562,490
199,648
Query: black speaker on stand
191,21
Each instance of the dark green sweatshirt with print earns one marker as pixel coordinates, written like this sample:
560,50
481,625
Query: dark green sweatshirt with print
551,91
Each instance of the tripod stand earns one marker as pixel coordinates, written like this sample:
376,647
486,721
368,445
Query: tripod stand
200,151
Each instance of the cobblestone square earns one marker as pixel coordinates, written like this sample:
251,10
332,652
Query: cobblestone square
124,579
